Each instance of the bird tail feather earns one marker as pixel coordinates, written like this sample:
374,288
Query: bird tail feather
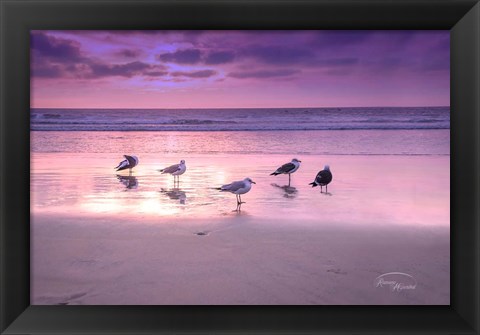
274,173
313,184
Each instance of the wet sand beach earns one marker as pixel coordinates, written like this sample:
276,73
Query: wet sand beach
101,237
233,260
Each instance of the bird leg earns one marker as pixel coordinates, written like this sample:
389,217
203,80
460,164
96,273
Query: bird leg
321,187
289,179
241,202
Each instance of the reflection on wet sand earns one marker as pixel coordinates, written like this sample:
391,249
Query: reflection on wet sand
290,192
175,194
61,184
130,182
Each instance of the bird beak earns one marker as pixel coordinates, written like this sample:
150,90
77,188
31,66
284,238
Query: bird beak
300,161
254,182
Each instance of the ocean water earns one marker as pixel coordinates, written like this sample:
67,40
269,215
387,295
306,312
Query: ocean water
240,119
331,131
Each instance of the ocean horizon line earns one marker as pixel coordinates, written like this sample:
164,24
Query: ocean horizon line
235,130
228,108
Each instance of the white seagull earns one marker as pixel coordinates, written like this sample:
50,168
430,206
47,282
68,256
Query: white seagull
288,168
323,178
175,170
238,188
129,163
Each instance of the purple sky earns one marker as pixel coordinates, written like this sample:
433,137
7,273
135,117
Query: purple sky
239,69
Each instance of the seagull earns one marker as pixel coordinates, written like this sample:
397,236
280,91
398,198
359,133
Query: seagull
323,178
175,170
238,188
288,168
129,163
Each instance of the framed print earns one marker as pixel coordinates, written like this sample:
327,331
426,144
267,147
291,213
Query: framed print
347,133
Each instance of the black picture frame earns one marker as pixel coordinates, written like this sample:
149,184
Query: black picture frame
18,17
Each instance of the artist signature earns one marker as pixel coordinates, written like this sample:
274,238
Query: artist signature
395,281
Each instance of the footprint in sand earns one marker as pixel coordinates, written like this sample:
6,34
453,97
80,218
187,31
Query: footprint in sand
337,271
202,233
65,300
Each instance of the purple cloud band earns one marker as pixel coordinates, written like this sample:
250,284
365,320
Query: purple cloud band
240,55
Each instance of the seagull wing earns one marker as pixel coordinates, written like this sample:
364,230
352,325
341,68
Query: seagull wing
324,176
233,187
285,168
122,165
171,169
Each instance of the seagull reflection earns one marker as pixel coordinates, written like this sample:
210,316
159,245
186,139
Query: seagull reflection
175,194
130,182
290,192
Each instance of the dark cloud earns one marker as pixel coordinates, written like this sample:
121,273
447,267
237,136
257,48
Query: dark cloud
185,56
398,38
195,56
128,53
219,57
186,33
137,32
47,71
263,74
341,40
278,54
194,74
337,38
122,70
53,47
62,58
95,69
155,73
